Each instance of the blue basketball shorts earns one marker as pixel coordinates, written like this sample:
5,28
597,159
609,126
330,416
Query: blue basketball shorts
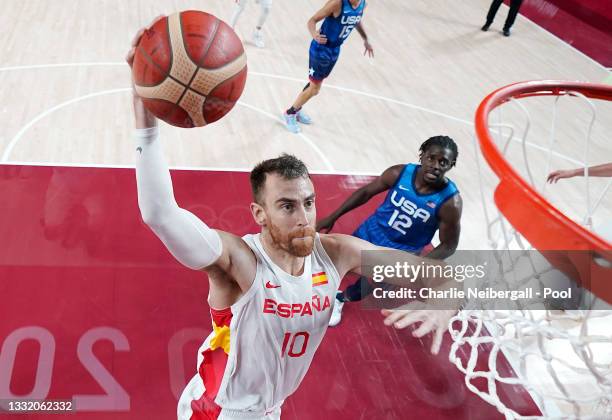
322,61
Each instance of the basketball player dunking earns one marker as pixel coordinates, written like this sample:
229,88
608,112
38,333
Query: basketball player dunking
341,17
270,293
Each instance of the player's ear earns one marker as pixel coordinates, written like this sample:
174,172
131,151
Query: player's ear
259,214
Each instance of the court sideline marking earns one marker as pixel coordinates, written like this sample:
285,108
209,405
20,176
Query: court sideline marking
318,151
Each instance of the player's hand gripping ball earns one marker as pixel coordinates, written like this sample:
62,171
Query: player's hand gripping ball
189,68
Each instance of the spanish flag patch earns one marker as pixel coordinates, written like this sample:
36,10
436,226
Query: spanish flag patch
319,279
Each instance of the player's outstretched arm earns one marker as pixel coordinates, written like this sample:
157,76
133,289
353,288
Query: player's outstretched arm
369,50
604,170
433,315
382,183
188,238
345,252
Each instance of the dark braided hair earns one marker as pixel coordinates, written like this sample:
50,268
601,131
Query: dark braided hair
444,142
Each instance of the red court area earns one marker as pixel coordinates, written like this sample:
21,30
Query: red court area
584,24
95,310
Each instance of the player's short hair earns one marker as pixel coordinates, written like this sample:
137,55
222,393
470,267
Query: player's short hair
287,166
444,142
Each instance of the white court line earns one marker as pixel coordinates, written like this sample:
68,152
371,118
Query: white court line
178,168
272,76
306,139
254,73
318,151
22,131
369,95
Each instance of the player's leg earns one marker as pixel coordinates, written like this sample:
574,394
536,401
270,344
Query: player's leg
362,288
312,89
491,15
321,63
238,9
358,289
258,38
515,5
353,293
291,114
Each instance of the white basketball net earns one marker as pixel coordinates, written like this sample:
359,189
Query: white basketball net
563,358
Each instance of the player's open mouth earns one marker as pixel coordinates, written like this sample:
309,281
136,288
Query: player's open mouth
431,176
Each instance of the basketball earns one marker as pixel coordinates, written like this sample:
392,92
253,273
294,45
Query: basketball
189,68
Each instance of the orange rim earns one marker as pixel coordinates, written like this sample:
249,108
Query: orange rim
510,180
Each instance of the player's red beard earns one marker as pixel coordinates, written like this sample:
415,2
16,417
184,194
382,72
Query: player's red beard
298,242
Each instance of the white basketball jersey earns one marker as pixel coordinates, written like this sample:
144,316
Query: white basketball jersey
262,346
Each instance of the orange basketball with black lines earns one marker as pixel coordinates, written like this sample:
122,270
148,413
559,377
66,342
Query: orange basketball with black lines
190,69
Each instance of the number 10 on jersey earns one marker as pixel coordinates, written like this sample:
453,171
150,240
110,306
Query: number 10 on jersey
294,344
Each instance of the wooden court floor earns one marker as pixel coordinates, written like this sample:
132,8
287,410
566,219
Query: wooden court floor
65,92
65,96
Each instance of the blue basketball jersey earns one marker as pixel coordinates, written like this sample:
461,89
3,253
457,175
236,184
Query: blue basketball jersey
406,220
337,29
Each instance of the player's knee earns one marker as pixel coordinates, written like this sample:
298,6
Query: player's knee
266,8
315,87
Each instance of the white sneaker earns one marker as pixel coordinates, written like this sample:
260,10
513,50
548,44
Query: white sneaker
303,117
336,315
291,123
258,38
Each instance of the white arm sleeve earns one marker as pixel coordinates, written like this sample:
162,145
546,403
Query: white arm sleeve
188,239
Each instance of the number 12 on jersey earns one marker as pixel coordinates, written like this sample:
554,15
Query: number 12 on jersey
399,222
295,349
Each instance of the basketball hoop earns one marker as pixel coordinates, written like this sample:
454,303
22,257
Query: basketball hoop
544,227
564,358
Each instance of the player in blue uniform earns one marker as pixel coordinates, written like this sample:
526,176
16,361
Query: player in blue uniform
340,18
420,201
